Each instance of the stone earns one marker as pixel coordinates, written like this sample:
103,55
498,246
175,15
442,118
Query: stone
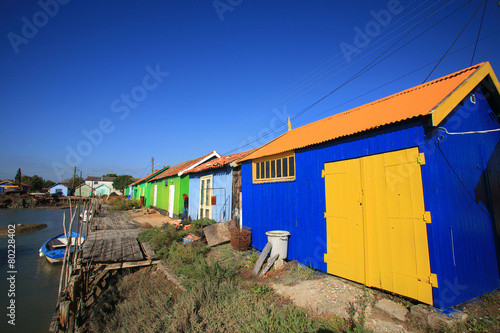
385,326
437,320
217,233
393,309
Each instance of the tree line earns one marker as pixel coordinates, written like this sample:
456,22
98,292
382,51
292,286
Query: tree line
37,183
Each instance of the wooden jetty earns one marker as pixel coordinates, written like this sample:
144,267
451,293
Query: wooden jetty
113,238
111,243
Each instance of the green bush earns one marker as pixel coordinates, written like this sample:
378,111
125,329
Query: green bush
121,203
198,225
159,238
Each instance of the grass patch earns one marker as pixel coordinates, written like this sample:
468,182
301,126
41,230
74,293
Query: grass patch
160,239
121,203
215,300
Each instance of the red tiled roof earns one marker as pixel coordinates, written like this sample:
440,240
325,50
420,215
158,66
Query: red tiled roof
436,98
183,166
219,162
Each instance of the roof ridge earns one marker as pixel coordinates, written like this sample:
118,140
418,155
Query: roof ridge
406,91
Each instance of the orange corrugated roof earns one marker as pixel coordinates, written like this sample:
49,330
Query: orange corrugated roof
418,101
219,162
182,167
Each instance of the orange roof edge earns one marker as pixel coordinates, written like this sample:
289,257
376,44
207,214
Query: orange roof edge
436,99
443,109
256,150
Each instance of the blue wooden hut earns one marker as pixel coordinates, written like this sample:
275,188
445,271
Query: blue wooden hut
214,188
59,189
402,194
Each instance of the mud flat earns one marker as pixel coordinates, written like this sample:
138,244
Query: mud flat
22,229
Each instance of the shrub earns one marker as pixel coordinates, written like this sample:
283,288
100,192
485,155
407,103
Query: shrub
121,203
198,225
159,238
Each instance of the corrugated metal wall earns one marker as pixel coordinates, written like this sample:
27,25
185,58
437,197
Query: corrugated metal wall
456,184
462,233
222,178
299,206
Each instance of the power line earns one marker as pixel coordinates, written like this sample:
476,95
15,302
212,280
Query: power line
358,74
478,33
444,55
402,76
300,87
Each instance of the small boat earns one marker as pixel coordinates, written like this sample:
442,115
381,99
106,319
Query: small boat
54,248
86,216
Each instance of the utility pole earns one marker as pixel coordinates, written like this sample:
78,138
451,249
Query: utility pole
153,164
80,187
74,176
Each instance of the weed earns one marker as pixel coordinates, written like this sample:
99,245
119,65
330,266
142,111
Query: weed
476,326
286,319
260,290
179,255
301,272
198,225
357,312
159,237
120,203
251,260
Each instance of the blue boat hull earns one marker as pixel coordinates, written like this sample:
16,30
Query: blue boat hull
55,248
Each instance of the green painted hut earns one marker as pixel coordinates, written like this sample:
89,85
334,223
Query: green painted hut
83,191
140,188
166,188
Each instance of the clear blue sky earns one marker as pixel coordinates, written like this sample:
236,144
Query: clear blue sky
106,85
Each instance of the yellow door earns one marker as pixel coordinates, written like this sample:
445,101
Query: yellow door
345,254
395,249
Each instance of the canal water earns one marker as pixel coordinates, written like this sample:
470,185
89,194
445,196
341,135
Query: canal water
36,280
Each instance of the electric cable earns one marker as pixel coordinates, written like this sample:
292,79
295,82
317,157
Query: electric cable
399,78
469,132
466,24
359,73
478,33
286,97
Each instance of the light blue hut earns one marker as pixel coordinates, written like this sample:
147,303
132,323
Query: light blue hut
59,189
214,189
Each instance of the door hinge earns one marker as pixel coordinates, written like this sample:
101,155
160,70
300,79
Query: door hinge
421,159
325,215
433,280
427,217
322,173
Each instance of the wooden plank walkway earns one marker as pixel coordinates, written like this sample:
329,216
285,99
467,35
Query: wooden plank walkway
113,238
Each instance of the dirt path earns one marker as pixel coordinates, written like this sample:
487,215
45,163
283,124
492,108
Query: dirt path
150,217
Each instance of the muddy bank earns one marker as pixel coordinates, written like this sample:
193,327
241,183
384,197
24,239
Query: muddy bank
16,201
22,229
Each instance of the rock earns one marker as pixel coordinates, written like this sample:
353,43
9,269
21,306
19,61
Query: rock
385,326
393,309
217,233
437,320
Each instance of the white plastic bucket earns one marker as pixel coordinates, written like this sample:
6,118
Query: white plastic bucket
279,242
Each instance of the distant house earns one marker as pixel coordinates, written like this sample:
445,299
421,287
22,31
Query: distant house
400,194
166,188
214,189
95,182
59,189
83,191
102,190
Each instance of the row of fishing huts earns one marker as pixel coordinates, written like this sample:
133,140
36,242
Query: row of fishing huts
401,194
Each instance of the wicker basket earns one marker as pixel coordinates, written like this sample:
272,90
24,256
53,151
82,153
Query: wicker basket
241,240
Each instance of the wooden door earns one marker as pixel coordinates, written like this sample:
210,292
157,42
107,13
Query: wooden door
376,223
